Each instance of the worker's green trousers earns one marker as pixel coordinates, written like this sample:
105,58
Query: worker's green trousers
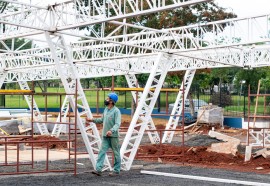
113,143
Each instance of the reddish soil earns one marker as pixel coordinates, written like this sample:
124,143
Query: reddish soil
198,156
47,139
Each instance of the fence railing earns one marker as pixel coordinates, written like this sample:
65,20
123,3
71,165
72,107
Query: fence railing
233,104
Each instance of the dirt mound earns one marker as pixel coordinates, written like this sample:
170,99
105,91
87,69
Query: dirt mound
47,139
201,157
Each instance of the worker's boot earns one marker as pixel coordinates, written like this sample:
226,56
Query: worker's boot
98,173
114,173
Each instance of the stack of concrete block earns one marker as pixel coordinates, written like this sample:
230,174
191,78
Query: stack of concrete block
210,114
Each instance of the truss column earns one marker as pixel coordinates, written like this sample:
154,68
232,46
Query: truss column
2,77
69,77
42,128
62,116
153,135
178,106
143,112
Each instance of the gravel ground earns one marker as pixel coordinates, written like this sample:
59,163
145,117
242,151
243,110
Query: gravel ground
132,177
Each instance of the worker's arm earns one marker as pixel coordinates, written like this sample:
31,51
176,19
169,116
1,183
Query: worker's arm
97,120
117,122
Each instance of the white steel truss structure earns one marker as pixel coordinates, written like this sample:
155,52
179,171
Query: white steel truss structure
42,128
145,50
69,78
178,106
32,19
133,83
245,57
144,109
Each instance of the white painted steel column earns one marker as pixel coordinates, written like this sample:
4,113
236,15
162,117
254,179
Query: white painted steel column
153,135
178,106
69,76
143,112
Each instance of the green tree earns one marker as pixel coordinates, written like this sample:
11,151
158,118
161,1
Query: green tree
252,77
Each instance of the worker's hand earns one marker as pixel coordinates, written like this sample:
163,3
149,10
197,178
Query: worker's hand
89,120
109,133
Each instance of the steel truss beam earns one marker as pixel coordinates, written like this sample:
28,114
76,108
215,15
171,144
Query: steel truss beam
28,58
178,106
132,83
246,57
42,128
144,109
70,80
76,14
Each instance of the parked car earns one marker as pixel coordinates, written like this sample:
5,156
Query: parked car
196,103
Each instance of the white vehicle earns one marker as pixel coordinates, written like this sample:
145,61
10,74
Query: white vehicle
196,103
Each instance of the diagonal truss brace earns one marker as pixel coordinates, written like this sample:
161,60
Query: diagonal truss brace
143,112
153,135
70,78
42,128
178,106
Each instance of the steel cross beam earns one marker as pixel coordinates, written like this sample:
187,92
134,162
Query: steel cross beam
143,112
41,56
157,41
75,14
70,80
247,57
132,83
210,35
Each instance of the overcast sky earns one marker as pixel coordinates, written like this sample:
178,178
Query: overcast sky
244,8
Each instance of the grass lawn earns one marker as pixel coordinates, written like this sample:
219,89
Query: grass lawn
125,99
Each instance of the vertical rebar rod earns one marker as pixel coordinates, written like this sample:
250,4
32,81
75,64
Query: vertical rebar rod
47,157
18,157
248,114
6,150
75,127
46,108
97,102
32,126
112,83
167,104
60,106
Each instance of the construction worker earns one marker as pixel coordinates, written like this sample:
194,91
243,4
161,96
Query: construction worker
111,120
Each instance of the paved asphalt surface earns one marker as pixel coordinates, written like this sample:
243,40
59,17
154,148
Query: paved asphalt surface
133,177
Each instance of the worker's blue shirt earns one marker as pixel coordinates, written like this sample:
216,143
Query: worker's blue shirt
111,120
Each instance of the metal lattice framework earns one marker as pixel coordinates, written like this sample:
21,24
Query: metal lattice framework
141,50
133,83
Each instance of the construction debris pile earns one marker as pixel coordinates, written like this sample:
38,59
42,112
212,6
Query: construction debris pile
215,150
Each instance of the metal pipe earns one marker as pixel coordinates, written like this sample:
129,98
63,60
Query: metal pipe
76,115
248,114
112,83
167,102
